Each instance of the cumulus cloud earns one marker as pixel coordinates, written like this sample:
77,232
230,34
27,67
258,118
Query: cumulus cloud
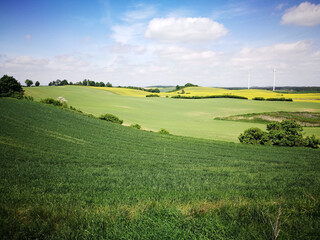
306,14
184,29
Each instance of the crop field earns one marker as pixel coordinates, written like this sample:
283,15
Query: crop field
184,117
206,91
67,176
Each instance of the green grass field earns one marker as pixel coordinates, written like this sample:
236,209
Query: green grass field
67,176
184,117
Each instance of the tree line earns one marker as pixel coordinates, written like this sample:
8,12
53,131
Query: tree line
85,82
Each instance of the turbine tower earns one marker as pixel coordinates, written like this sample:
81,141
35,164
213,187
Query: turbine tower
274,79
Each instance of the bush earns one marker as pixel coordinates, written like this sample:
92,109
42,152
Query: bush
28,98
312,142
60,102
51,101
282,99
152,95
210,96
10,87
254,136
258,98
163,131
137,126
111,118
285,133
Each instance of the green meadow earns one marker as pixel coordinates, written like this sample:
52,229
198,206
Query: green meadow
67,176
184,117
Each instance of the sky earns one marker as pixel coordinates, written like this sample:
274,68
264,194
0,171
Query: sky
145,43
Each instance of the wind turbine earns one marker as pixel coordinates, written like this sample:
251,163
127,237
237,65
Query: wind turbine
274,79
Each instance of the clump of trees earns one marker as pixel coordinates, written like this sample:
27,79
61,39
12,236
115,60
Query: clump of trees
285,133
85,82
10,87
58,82
37,84
111,118
186,85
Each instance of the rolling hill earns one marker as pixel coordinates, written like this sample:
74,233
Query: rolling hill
184,117
67,176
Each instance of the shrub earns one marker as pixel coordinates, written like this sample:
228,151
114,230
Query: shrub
210,96
312,142
137,126
10,87
259,98
75,109
285,133
254,136
163,131
282,99
51,101
28,98
111,118
152,95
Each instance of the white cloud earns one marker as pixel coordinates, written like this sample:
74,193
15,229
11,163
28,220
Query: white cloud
184,29
306,14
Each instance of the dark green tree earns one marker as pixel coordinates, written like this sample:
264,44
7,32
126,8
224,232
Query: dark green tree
108,84
28,82
37,84
85,82
286,133
64,82
10,87
254,136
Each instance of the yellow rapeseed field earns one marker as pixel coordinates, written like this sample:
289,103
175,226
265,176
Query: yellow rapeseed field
206,91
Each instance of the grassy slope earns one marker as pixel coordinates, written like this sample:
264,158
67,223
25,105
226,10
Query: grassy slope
66,176
179,116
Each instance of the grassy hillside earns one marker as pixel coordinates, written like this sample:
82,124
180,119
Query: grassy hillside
183,117
67,176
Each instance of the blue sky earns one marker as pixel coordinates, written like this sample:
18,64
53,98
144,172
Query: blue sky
142,43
